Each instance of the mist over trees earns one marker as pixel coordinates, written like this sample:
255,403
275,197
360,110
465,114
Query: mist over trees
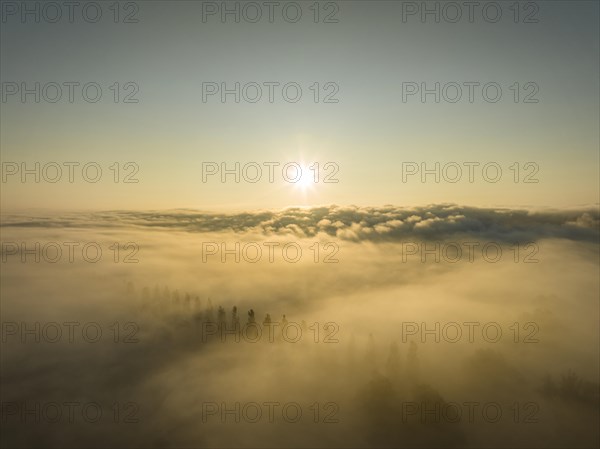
201,333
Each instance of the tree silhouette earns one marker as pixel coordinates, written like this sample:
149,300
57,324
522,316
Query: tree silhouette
572,388
412,363
251,327
209,313
393,362
371,353
221,318
235,320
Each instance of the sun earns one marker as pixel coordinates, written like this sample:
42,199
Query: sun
306,179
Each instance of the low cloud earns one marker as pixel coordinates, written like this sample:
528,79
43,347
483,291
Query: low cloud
387,223
371,371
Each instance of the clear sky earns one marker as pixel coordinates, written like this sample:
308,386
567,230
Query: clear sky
369,133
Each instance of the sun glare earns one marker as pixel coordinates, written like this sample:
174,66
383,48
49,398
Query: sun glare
306,180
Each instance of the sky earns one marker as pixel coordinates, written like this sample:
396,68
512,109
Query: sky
367,137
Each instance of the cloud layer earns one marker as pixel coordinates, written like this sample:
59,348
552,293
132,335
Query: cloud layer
386,223
370,373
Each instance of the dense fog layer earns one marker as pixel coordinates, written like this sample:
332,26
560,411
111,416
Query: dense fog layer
369,340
